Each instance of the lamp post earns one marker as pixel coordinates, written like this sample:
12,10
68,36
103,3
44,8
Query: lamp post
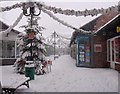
54,43
29,10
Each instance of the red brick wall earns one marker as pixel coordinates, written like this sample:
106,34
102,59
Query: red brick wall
100,58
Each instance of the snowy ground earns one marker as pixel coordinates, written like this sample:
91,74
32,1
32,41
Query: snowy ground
66,77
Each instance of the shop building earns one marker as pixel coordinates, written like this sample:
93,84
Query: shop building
102,48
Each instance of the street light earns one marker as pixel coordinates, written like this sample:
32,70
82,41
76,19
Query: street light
54,43
29,10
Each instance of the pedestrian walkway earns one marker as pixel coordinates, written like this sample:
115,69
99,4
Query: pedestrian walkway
66,77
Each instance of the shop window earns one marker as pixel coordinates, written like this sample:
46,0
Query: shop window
117,49
113,50
8,49
83,50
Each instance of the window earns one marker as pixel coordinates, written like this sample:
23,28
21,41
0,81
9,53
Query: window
113,49
117,49
8,49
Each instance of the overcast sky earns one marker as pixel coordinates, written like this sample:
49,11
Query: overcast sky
51,25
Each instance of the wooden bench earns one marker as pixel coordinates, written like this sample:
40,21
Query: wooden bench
10,87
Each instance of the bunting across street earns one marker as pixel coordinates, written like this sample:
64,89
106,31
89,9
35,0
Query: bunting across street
49,9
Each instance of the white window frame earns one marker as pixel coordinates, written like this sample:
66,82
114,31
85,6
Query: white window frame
108,50
112,39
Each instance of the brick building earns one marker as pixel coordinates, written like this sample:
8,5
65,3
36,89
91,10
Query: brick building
101,49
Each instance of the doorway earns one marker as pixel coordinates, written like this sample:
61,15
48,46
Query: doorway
83,51
113,51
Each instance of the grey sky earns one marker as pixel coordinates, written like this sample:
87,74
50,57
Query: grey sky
50,24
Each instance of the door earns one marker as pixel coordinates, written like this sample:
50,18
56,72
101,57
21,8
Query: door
113,51
83,51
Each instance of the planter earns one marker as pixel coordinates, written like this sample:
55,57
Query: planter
30,70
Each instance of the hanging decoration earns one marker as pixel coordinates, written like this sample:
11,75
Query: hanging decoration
31,34
86,12
47,9
62,22
8,8
58,39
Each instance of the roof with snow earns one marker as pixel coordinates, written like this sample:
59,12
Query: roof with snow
100,24
4,26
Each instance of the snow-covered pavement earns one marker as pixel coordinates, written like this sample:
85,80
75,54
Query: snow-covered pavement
66,77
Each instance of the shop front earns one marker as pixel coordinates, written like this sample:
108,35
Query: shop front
83,55
113,52
101,49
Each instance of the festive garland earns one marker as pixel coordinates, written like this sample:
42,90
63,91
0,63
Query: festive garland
92,12
59,40
14,24
60,36
44,8
8,8
62,22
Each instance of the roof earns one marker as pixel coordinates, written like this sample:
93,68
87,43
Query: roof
107,23
97,24
4,26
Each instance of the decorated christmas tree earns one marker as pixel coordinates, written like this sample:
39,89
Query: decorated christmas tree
30,43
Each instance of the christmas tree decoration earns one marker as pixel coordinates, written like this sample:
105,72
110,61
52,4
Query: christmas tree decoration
31,34
30,42
32,47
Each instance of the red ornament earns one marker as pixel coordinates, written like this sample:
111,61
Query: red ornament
31,35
